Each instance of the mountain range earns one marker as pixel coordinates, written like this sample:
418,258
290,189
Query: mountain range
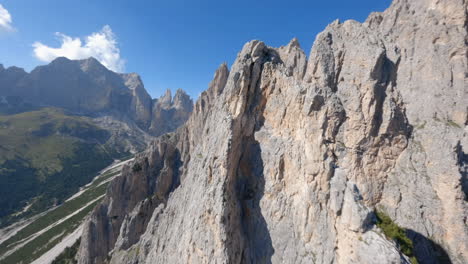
87,88
63,122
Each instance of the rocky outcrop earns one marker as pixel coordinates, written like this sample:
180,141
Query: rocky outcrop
285,159
170,113
117,102
131,199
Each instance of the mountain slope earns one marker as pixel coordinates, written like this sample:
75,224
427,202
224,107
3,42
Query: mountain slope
65,121
41,238
355,155
46,155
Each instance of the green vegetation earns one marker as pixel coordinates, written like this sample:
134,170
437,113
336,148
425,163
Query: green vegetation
68,255
48,239
397,234
55,215
42,243
45,156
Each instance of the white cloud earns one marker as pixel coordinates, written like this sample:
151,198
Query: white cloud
101,45
5,19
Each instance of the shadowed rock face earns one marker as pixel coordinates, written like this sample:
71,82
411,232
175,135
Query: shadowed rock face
118,102
284,158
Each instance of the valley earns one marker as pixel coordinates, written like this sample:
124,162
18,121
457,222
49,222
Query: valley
45,156
45,236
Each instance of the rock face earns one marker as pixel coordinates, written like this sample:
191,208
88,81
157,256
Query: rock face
118,102
170,113
285,159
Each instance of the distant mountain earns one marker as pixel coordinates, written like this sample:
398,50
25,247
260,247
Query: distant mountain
82,86
63,122
170,111
86,87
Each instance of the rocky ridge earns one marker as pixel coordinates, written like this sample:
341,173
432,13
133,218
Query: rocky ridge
171,111
285,159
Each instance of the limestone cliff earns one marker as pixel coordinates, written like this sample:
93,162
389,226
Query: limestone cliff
285,159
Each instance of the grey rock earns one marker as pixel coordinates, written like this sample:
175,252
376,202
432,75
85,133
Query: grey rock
166,100
182,101
356,216
130,201
337,190
284,160
170,113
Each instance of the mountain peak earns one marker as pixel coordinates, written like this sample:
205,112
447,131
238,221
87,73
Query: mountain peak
91,64
165,101
168,93
60,60
294,43
216,86
15,70
132,80
180,92
91,60
182,100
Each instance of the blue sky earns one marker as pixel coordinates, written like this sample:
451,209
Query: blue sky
171,44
